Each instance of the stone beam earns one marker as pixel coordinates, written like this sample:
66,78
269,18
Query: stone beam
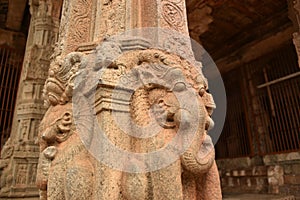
294,13
267,27
15,14
254,50
200,16
199,19
193,4
12,39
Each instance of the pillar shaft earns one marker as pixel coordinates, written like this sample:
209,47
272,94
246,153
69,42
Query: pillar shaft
94,20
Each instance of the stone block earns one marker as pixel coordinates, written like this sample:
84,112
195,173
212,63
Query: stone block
259,171
291,169
235,173
242,173
275,171
288,169
296,169
292,179
273,189
248,172
261,183
275,175
287,157
234,163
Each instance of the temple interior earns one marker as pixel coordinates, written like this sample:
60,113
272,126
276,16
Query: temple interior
256,47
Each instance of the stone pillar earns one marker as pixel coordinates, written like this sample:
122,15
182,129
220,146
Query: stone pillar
67,170
19,156
76,24
294,15
94,20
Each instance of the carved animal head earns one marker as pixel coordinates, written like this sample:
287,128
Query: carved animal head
57,125
62,73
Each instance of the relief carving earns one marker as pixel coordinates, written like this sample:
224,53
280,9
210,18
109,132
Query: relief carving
76,31
5,167
198,159
64,160
21,174
69,146
173,15
67,167
25,124
114,12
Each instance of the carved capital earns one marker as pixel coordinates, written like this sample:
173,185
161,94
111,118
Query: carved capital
45,8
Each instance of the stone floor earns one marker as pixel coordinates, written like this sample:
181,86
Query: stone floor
257,197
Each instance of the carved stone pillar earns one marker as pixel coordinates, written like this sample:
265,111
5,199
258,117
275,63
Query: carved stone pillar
294,15
94,20
19,156
105,78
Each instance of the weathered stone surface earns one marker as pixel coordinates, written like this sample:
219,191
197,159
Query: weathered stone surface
292,179
234,163
26,150
278,177
123,87
275,159
62,139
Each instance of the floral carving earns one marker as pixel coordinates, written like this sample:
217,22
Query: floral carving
172,14
75,31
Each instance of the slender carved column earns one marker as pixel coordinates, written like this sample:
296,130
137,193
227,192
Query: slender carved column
19,157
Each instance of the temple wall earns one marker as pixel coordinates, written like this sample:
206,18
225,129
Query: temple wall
273,174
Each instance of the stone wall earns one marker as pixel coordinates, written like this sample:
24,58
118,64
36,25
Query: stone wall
273,174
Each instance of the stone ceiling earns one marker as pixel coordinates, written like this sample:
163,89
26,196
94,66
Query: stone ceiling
14,15
14,23
227,25
222,26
